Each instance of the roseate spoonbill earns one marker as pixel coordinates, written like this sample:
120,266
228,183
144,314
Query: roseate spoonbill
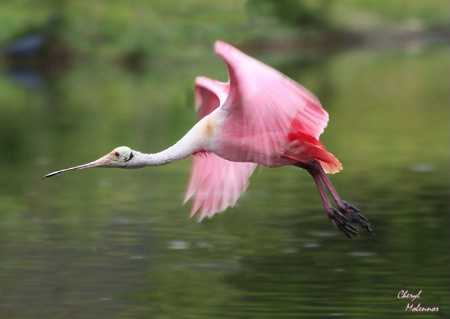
259,117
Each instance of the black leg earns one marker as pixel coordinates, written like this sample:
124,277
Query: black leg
347,213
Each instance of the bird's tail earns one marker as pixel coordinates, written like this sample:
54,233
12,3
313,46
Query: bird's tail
304,148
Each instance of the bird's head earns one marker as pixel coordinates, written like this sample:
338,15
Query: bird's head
118,157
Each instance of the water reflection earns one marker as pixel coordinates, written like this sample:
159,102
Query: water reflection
114,244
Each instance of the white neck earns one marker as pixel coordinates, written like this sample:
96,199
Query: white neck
192,142
156,159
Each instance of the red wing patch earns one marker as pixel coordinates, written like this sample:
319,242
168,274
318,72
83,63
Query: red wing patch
304,148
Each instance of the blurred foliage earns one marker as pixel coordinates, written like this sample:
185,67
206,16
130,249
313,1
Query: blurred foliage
388,14
102,27
109,29
299,13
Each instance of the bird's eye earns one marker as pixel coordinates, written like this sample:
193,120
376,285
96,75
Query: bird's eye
117,154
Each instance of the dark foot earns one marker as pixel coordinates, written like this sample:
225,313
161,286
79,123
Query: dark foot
342,223
355,216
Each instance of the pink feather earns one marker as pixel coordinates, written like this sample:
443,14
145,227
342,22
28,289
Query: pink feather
215,183
265,118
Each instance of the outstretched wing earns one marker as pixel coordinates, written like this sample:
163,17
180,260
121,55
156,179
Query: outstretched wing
264,104
215,183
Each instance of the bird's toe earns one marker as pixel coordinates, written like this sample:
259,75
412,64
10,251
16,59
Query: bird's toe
342,223
355,216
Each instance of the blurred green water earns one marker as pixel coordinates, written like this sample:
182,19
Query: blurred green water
118,244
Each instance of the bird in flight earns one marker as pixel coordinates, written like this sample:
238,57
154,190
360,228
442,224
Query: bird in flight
260,116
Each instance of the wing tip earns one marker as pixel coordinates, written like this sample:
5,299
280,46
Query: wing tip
210,84
220,44
201,80
224,49
203,211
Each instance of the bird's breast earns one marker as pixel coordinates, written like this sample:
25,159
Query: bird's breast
263,150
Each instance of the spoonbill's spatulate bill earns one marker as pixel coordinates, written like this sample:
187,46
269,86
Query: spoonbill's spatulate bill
259,117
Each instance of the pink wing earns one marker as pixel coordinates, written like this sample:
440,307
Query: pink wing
264,104
209,94
215,183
